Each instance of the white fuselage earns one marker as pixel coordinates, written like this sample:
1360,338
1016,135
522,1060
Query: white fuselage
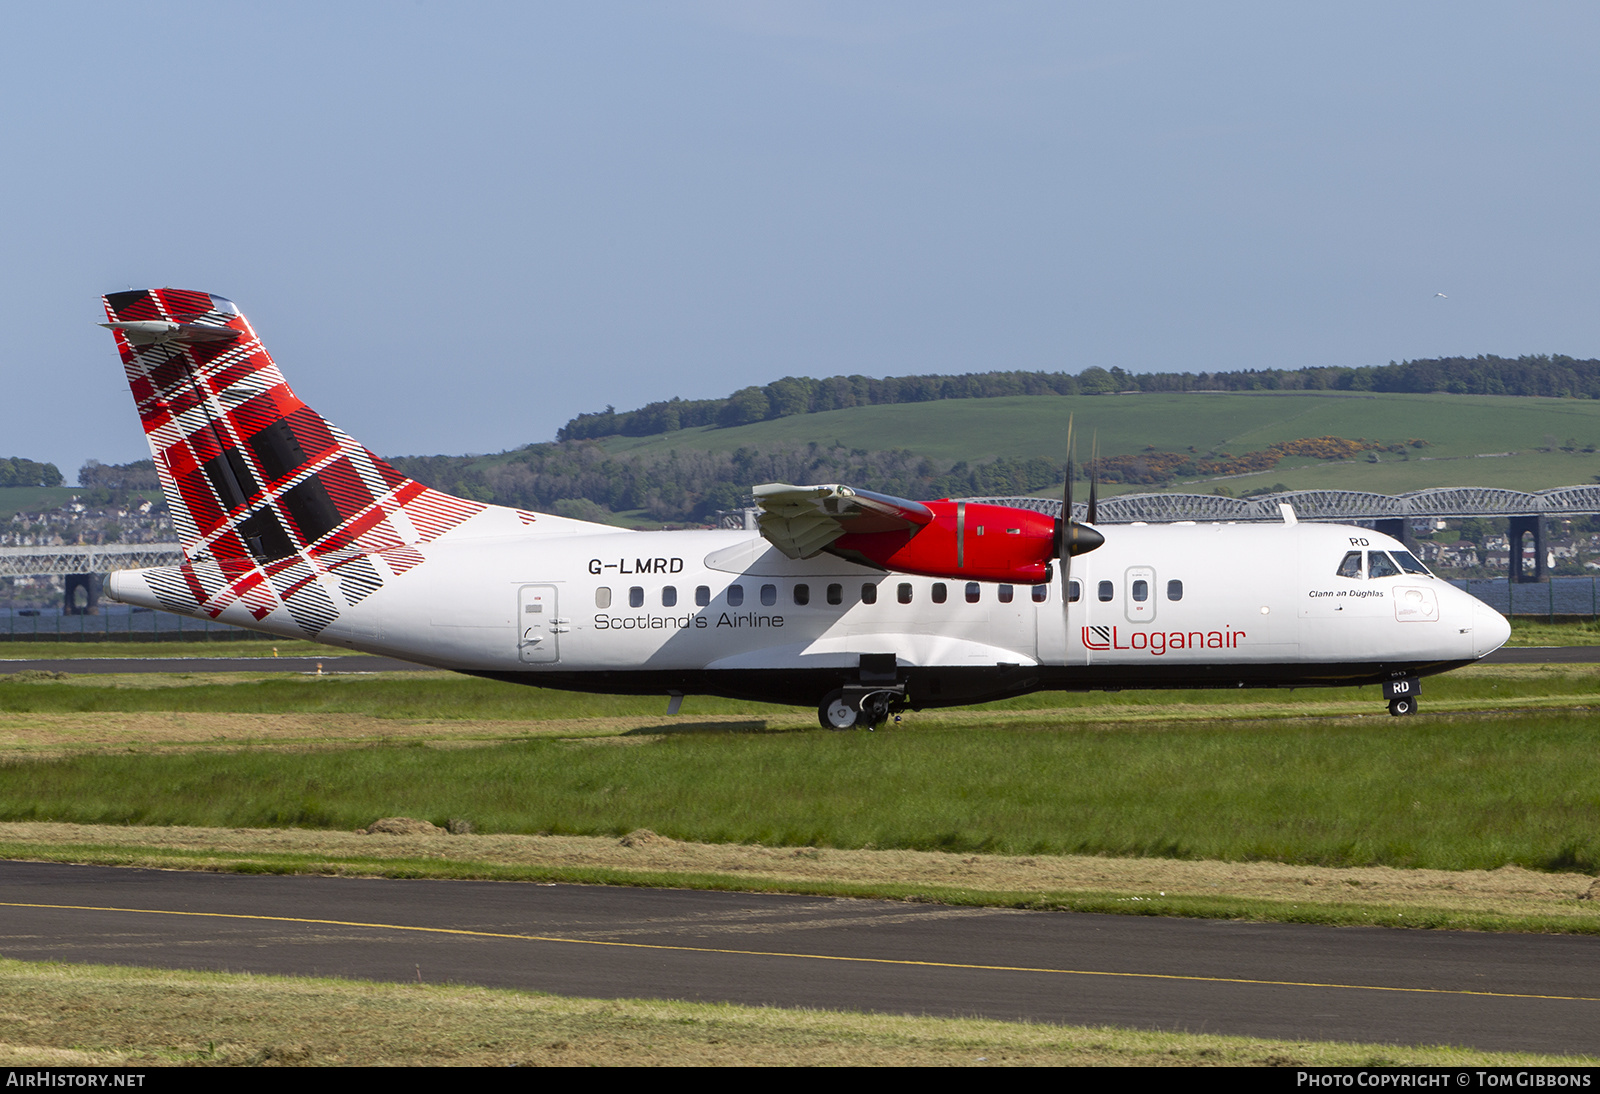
723,612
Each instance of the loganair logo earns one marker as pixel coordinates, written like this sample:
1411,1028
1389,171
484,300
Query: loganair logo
1159,642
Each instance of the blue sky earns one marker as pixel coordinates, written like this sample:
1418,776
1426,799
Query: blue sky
457,226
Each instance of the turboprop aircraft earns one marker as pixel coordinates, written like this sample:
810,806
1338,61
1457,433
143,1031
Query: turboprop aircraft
857,602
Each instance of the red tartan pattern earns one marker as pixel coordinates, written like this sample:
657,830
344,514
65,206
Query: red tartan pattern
273,505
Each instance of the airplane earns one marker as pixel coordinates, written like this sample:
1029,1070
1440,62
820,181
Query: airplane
859,603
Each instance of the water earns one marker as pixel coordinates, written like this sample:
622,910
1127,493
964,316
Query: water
113,620
1558,596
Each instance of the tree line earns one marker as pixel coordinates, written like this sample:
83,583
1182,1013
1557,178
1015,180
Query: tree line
1542,375
581,479
17,471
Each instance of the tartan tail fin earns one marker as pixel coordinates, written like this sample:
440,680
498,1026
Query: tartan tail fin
275,507
249,471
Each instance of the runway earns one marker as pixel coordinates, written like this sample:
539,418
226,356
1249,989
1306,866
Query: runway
1488,991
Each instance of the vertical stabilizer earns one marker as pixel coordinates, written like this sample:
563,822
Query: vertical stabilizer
273,505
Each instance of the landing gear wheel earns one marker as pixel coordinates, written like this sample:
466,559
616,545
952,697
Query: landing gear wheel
875,708
1401,707
837,712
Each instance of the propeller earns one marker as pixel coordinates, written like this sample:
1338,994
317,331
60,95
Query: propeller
1073,537
1094,482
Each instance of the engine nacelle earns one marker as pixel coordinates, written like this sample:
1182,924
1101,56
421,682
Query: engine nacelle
967,541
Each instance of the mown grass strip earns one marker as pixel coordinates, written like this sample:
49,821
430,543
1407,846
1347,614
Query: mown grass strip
448,696
1445,793
86,1015
1530,632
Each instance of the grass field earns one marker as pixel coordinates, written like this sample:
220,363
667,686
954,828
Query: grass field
33,498
1501,774
1468,435
1442,793
97,1016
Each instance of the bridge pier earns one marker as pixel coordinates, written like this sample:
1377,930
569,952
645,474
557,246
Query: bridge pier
1397,528
1518,529
90,584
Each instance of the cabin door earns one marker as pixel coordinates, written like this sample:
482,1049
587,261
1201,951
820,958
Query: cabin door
540,626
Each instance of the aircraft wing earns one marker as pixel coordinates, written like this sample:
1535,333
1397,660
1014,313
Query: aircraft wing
802,521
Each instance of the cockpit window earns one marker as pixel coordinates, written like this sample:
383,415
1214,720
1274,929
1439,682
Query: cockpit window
1351,566
1408,562
1380,564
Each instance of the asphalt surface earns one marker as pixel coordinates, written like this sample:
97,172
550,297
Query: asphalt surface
1488,991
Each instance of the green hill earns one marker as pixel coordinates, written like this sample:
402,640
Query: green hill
1467,435
33,499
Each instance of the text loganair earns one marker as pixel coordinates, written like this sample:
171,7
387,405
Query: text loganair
1159,642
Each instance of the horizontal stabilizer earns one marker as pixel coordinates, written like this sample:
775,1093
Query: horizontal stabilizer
142,332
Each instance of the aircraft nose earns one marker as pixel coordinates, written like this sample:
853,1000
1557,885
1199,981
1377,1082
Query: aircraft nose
1490,629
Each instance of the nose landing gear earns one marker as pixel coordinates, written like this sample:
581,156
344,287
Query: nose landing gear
1402,696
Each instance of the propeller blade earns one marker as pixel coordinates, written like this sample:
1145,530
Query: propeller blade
1066,491
1064,530
1094,483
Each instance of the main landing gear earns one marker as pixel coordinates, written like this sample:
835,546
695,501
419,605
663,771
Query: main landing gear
878,693
854,707
1402,696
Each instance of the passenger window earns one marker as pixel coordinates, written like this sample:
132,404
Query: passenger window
702,595
972,592
1380,565
1041,593
869,594
1106,591
669,596
602,597
1074,591
835,594
802,594
1141,591
636,597
735,595
1174,590
1005,593
903,593
939,592
1351,566
769,595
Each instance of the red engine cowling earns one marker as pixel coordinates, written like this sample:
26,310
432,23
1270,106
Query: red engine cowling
966,540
